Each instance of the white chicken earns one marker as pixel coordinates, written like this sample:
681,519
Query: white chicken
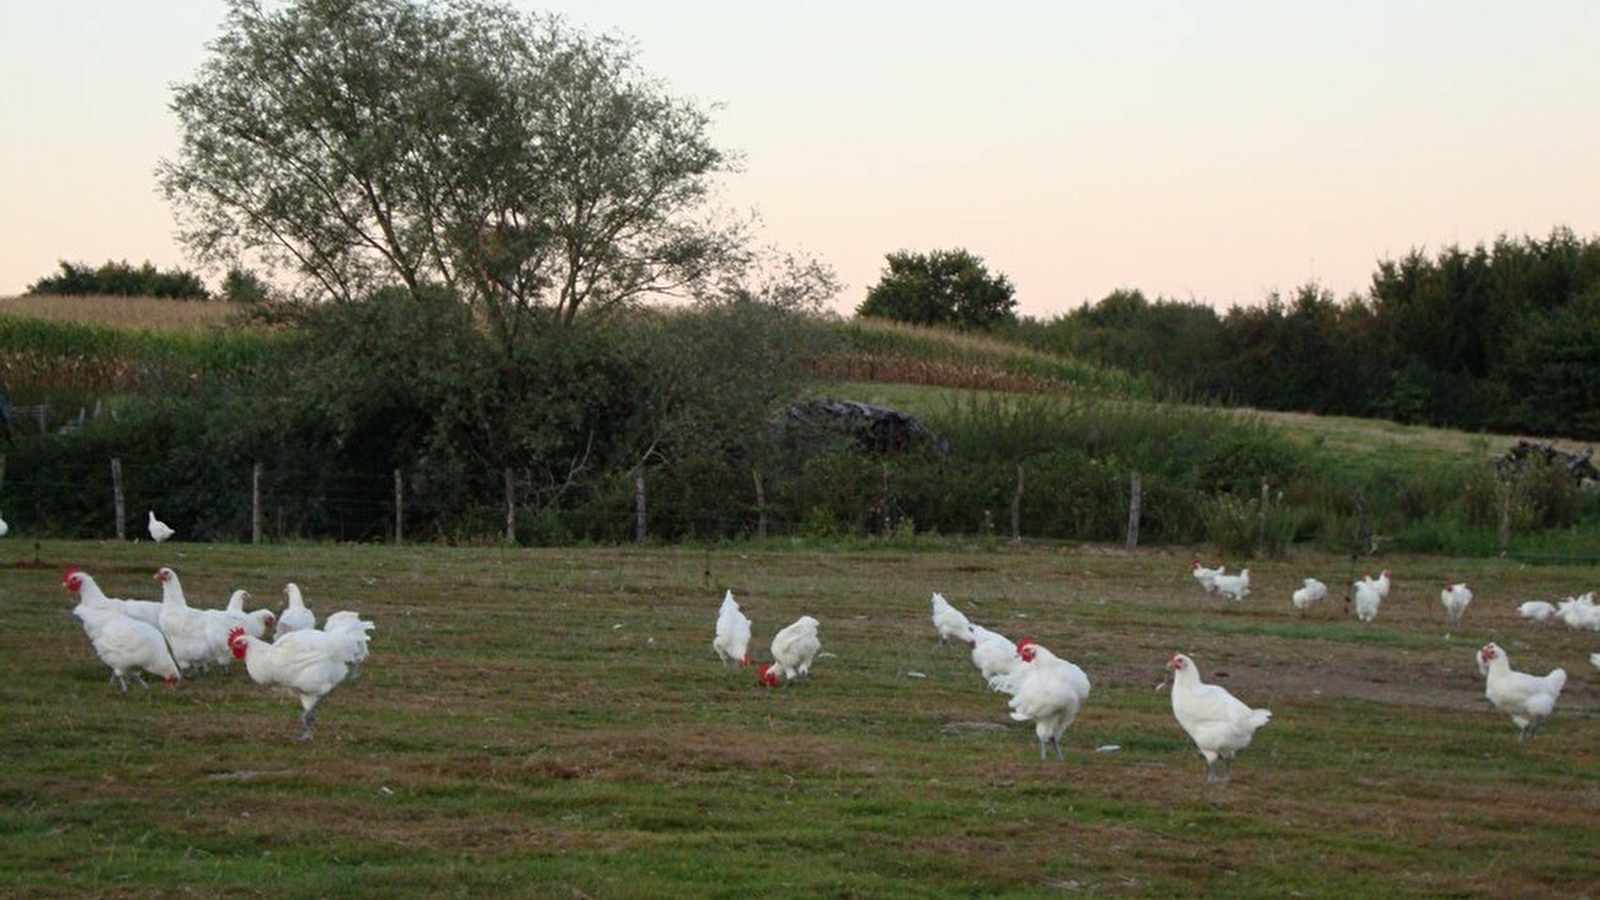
1528,699
1368,599
350,623
793,650
732,641
129,646
993,654
1311,593
1536,610
1381,584
221,622
1206,577
307,664
1234,587
1594,660
4,528
188,630
1455,598
1580,612
159,530
950,622
148,611
1218,722
296,616
1048,691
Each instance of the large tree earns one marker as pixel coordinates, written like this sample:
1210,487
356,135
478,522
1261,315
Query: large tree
944,287
369,143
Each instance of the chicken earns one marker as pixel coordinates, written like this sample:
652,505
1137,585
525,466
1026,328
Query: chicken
1528,699
1580,612
188,630
1368,599
347,622
1594,660
1455,598
1536,610
1218,723
1381,584
147,611
1234,587
1313,592
4,528
732,642
159,531
993,654
1206,577
295,616
129,646
220,624
793,649
1048,691
950,622
307,664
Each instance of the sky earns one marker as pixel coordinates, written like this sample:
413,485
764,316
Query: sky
1210,151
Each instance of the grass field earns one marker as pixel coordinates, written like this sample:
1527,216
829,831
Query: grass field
554,723
148,313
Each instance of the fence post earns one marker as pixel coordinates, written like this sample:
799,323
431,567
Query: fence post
1261,520
1135,493
1505,517
2,471
638,506
1016,509
116,498
399,507
511,506
255,504
761,503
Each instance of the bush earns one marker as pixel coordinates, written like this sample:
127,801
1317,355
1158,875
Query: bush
122,280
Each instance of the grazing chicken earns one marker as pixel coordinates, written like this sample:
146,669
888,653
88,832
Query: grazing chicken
993,654
129,646
1234,587
1206,577
307,664
1455,598
1048,691
159,530
950,622
1368,599
148,611
1528,699
349,623
1218,723
1536,610
732,642
295,616
1311,593
187,629
793,649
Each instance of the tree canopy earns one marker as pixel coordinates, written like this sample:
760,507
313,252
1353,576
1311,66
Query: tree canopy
362,144
943,287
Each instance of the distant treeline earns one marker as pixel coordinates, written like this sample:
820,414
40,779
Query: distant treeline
1503,338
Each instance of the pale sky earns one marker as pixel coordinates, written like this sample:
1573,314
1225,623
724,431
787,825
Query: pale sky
1205,150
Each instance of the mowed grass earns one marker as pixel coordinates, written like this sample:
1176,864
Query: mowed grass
554,723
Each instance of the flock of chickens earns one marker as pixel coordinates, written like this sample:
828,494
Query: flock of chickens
170,639
1049,691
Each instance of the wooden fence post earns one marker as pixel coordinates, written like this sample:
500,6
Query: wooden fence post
1016,509
1135,493
1261,520
511,506
761,505
639,517
255,504
116,498
399,507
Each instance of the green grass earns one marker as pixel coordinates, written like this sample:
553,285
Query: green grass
554,723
